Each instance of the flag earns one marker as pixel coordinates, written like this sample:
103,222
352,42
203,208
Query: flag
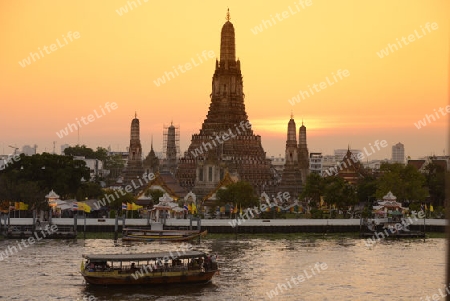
235,209
194,208
16,206
23,206
190,208
124,206
185,207
431,208
135,207
86,208
128,206
291,209
75,206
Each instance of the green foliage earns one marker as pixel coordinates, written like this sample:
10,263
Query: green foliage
155,194
32,177
435,179
89,190
366,188
316,213
77,150
405,182
239,193
313,189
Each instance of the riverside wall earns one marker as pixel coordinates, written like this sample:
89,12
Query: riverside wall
246,226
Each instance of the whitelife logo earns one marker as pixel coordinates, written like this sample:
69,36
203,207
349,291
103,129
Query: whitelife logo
411,38
49,49
168,75
109,107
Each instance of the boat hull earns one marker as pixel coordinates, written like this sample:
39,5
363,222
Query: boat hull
161,278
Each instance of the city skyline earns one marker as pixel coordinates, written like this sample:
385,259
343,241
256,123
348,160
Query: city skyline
351,79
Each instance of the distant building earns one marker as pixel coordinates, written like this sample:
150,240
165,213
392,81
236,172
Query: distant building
95,166
28,150
398,153
278,163
315,163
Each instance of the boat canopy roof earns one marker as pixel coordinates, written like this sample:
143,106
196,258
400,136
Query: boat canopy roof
142,256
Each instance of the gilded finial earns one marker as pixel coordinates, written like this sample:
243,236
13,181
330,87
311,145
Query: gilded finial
135,114
228,15
292,114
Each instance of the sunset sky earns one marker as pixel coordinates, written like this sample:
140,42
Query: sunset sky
116,57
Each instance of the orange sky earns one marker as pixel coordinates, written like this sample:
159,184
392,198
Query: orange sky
118,58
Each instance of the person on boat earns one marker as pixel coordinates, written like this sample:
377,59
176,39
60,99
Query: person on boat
207,264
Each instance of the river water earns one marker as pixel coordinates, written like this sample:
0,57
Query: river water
251,269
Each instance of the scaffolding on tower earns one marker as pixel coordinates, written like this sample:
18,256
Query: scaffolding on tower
171,146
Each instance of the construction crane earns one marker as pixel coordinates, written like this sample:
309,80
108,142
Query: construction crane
15,148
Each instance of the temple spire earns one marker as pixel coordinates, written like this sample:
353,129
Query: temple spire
227,42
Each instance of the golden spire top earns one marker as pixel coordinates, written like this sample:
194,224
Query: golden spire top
135,114
228,15
292,114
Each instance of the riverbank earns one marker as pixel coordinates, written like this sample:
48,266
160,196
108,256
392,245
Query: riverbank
269,236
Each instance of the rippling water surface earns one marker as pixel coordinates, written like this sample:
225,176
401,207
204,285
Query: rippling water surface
250,270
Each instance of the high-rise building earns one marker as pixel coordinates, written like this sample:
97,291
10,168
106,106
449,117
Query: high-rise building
226,142
315,163
134,168
398,153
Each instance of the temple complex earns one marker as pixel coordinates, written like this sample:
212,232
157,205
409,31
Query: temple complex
134,168
226,142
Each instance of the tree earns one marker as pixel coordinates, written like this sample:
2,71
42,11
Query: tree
435,179
366,188
155,194
40,173
240,194
89,190
339,192
405,182
313,189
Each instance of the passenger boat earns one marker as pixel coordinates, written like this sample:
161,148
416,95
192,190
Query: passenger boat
147,235
149,269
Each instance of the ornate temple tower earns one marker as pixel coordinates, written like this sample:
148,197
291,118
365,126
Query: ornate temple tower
291,179
303,154
151,162
134,168
226,142
171,147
